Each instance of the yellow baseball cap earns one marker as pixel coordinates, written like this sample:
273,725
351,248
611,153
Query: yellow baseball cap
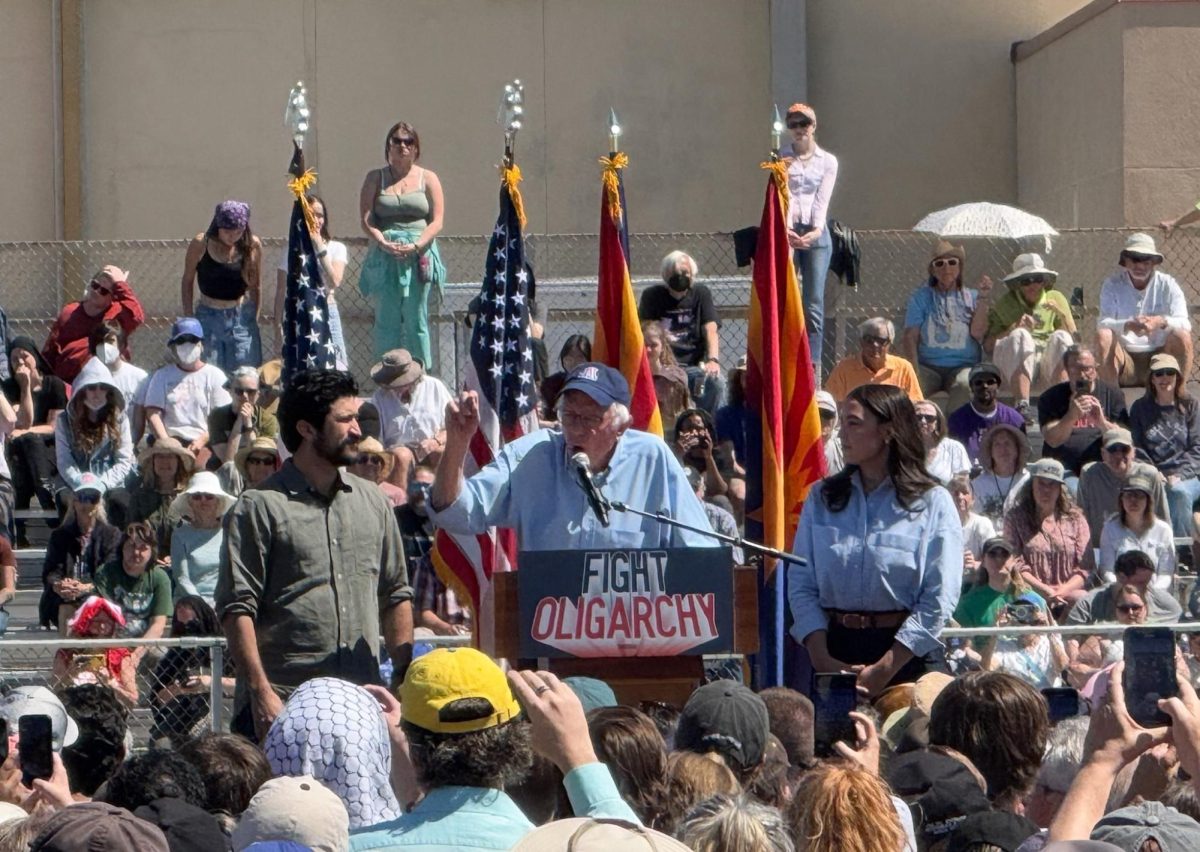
445,675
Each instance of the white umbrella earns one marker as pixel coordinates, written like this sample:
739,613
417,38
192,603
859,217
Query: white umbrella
984,219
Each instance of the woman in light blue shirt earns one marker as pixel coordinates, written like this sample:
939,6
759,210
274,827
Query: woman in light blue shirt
883,551
197,543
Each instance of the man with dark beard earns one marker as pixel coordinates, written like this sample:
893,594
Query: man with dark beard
313,568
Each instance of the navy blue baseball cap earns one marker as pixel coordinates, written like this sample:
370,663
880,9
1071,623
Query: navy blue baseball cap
599,381
186,327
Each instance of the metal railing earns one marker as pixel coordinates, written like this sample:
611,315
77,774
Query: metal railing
38,278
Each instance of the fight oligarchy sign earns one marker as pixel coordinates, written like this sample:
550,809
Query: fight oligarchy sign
626,603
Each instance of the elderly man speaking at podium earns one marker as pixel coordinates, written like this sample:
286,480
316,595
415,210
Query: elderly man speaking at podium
546,485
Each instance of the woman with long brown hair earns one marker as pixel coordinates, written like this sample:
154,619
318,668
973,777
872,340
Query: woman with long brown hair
628,743
882,549
92,435
401,207
1165,424
841,807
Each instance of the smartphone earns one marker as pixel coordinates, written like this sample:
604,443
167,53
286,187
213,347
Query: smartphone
1081,387
35,747
1063,702
1149,673
3,740
834,697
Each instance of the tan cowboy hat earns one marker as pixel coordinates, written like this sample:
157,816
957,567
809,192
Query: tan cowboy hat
398,367
370,446
1029,265
262,444
944,248
168,447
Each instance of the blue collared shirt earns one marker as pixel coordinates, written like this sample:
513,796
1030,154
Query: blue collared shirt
453,818
877,556
529,488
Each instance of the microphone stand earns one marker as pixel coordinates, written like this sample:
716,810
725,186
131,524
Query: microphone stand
738,541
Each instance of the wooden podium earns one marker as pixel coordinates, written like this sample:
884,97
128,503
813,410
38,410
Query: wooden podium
633,679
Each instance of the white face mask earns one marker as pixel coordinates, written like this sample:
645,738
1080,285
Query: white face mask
108,353
188,353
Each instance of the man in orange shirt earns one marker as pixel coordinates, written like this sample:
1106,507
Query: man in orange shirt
874,365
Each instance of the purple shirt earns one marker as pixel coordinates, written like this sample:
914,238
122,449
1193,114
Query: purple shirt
967,425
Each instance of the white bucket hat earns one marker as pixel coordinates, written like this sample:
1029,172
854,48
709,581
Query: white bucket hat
38,700
1141,243
1029,265
204,482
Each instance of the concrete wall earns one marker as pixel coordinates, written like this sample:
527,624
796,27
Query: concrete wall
183,106
27,118
1069,116
917,100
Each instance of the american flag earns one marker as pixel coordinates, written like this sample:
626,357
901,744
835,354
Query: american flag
501,372
307,344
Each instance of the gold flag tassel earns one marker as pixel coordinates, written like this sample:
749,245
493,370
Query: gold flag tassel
612,182
511,177
778,171
299,187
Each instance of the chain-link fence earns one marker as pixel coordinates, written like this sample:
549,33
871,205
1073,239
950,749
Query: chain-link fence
174,692
37,278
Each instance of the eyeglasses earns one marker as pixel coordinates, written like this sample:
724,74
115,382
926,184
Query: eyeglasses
927,418
1158,374
591,421
263,460
101,289
985,383
873,340
368,458
799,123
405,141
945,261
997,553
1033,279
1129,609
88,497
245,391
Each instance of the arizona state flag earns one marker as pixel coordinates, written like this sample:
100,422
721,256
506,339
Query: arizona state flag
783,428
617,338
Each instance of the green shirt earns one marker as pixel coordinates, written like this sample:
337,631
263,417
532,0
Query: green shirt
140,598
1010,307
221,421
981,606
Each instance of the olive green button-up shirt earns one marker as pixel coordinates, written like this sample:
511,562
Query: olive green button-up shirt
314,573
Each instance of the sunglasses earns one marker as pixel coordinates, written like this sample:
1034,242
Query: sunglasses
927,418
88,497
405,141
187,338
200,495
1139,258
945,261
873,340
800,123
1130,608
366,458
263,460
101,289
245,391
997,553
1033,279
1166,371
984,383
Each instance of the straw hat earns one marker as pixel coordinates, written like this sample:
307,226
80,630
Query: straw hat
204,482
167,447
945,248
370,446
262,444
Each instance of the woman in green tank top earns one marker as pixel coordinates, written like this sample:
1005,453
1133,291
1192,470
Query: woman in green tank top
401,208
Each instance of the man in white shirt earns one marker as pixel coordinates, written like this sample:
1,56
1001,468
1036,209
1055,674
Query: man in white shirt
412,413
180,396
1142,312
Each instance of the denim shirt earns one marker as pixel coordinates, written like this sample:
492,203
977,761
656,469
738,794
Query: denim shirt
877,556
529,488
453,818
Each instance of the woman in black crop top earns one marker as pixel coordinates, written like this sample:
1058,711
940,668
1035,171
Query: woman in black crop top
224,262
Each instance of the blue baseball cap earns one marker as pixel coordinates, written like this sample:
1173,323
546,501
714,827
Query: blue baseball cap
599,381
186,327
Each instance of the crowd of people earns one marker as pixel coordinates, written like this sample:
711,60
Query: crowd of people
208,497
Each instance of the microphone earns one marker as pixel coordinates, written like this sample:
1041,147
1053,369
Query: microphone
581,466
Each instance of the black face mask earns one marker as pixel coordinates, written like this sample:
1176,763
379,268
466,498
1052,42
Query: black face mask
190,628
680,282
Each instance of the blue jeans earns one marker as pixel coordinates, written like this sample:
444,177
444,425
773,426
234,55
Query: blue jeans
812,264
231,338
1180,498
707,391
